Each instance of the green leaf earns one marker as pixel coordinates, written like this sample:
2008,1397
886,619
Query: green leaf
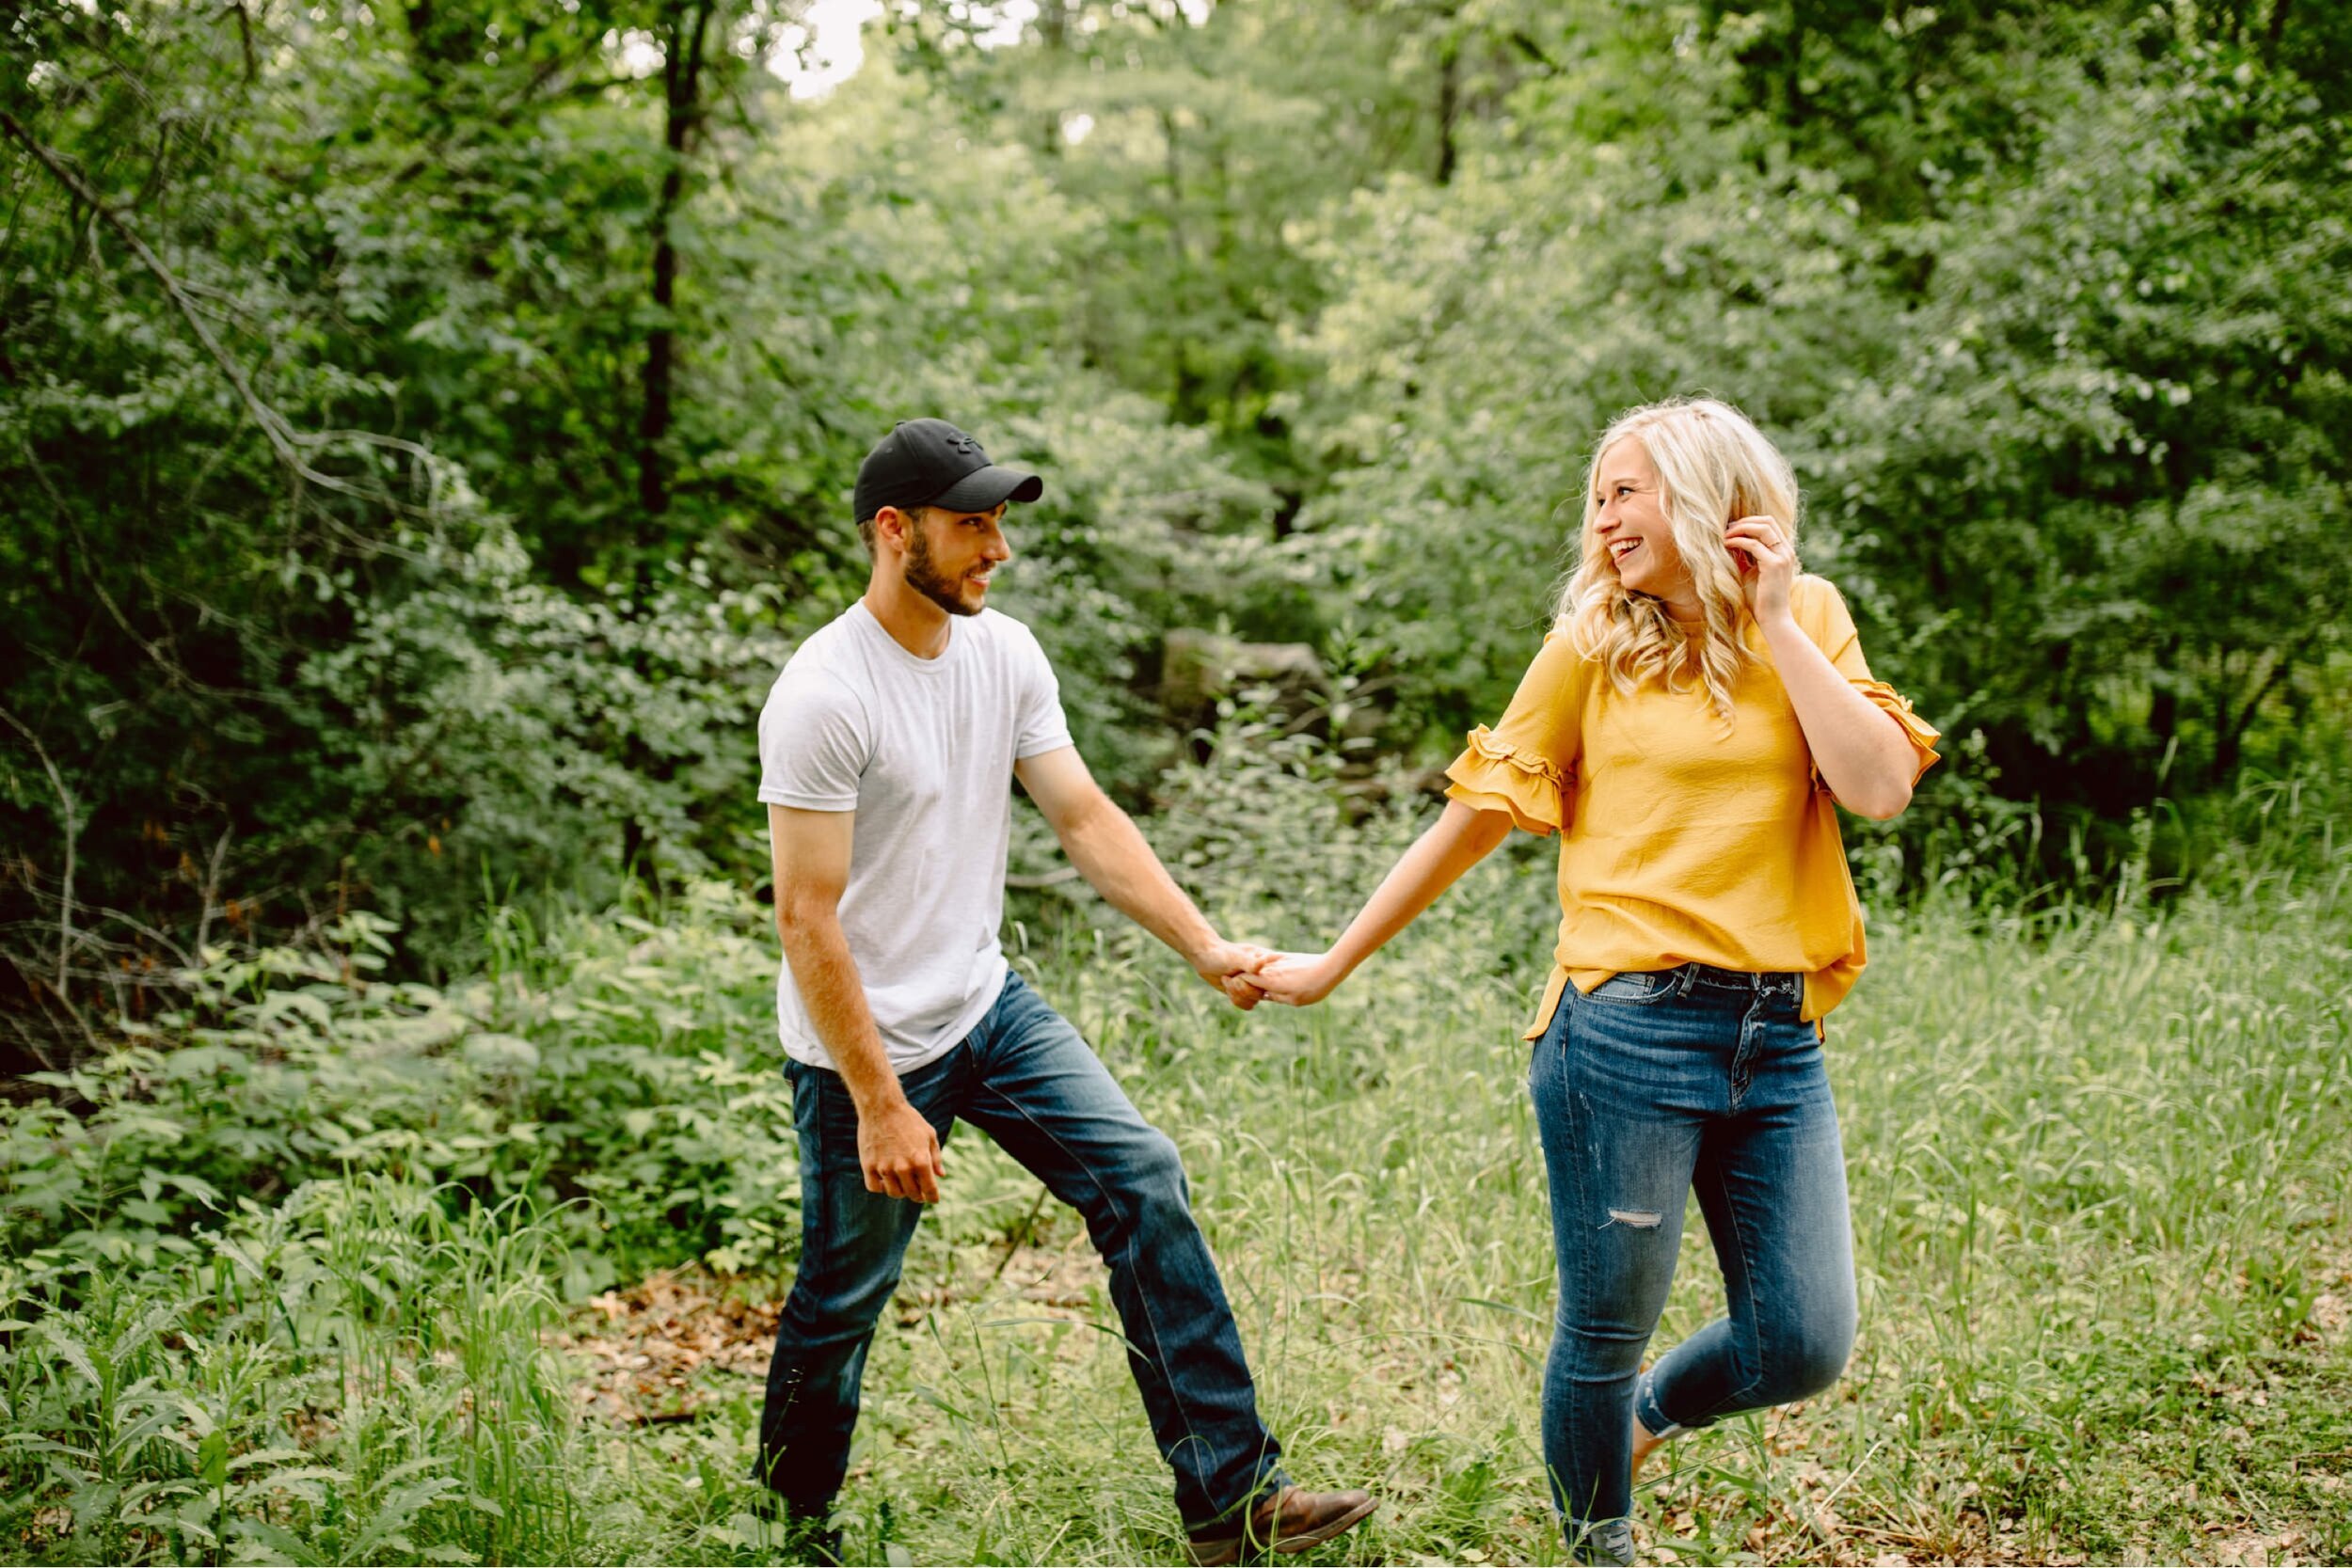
70,1350
212,1459
395,1514
262,1541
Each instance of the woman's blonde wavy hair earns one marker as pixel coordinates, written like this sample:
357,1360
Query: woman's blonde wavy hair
1714,466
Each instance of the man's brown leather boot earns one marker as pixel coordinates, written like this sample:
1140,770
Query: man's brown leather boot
1290,1520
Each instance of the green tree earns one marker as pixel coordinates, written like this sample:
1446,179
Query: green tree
2106,457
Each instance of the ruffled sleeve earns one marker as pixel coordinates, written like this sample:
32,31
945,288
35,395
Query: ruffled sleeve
1494,775
1922,735
1821,610
1527,764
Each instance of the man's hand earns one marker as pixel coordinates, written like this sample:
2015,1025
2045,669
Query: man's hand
1230,967
1301,979
900,1153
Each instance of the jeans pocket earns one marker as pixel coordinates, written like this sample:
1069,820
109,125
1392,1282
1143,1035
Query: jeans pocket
1637,986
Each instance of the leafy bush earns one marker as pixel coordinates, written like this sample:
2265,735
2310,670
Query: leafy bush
622,1076
500,728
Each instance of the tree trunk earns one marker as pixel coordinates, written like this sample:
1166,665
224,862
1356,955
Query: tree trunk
2230,729
2274,33
1053,26
1183,386
681,77
1448,103
1793,106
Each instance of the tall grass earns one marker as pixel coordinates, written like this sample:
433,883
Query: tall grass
354,1375
2096,1152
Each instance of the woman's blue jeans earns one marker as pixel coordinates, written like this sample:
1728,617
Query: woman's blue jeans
1651,1085
1025,1078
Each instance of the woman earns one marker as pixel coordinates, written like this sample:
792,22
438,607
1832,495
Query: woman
1696,712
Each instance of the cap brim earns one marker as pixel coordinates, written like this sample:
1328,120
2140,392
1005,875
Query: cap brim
984,489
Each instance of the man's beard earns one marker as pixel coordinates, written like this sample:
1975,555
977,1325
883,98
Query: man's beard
924,578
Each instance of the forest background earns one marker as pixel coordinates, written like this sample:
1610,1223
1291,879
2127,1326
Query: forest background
425,429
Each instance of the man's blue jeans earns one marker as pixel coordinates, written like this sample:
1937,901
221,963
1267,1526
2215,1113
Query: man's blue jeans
1654,1083
1027,1079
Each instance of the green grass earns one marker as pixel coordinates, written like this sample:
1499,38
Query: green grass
2096,1154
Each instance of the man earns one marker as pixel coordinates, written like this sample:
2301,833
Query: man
887,748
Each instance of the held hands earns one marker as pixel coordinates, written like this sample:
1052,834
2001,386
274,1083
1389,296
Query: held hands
1249,974
1768,565
1231,968
1301,979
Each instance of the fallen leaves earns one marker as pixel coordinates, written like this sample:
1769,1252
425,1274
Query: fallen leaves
652,1350
652,1345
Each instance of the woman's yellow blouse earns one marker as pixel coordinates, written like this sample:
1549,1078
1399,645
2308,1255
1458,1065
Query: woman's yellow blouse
1684,839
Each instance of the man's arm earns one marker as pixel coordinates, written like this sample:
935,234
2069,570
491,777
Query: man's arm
1108,849
896,1145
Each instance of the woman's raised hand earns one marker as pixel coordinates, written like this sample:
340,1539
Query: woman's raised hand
1301,979
1768,564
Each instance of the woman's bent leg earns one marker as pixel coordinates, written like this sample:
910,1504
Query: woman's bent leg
1772,1182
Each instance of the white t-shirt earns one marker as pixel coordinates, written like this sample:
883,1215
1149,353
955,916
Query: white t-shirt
922,749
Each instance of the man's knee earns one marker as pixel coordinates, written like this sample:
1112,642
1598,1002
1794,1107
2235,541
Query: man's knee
1143,1189
1159,1171
820,1317
844,1296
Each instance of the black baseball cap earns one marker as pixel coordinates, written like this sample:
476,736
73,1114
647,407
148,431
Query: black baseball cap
931,463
